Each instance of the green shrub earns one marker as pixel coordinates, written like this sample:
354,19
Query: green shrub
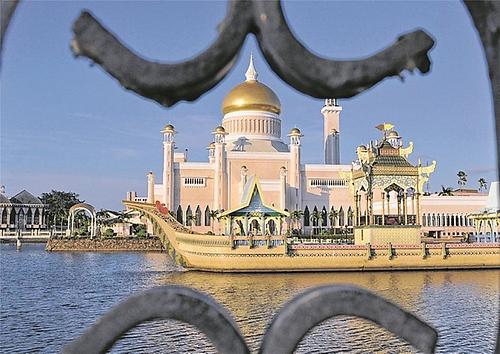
108,233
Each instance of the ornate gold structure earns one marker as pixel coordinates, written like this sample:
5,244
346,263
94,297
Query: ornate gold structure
383,173
251,95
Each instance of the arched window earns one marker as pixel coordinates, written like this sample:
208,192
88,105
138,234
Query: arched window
306,216
12,216
349,216
197,219
324,215
424,221
4,216
341,217
189,216
207,216
315,214
179,215
29,217
36,217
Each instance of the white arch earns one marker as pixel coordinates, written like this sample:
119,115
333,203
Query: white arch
71,218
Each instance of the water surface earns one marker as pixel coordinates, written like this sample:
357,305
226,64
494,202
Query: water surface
49,298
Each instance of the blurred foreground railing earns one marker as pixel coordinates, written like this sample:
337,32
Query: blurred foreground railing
283,335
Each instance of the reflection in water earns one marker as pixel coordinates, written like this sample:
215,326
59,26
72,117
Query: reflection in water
49,298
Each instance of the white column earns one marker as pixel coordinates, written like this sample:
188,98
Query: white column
151,188
283,188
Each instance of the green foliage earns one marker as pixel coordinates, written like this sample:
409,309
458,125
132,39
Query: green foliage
109,233
58,204
139,230
446,191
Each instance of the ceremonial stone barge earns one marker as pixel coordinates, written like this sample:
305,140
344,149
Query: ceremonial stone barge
279,253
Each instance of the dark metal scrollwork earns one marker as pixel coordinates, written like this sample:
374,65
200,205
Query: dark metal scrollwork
287,329
294,63
314,306
166,302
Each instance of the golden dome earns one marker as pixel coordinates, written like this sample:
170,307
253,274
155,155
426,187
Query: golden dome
168,129
295,131
393,134
251,95
220,129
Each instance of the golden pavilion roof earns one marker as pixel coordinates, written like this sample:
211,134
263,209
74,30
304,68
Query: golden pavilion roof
251,95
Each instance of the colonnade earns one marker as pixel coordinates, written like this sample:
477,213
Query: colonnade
21,217
255,225
267,126
446,220
405,212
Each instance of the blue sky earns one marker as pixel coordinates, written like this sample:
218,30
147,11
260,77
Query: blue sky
66,125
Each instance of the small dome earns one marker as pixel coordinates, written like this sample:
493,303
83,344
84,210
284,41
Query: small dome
295,131
393,134
220,129
362,147
251,95
169,128
211,145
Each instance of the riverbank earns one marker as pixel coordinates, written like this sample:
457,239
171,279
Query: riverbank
116,244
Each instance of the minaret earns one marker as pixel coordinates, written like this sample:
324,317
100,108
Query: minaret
331,131
220,170
211,152
168,166
151,187
283,173
294,171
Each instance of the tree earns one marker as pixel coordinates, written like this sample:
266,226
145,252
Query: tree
107,218
462,178
483,185
350,215
446,191
333,216
296,215
58,204
316,217
189,220
214,214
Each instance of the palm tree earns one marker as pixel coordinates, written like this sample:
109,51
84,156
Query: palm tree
462,178
350,215
333,215
316,217
189,220
214,214
446,191
296,215
483,185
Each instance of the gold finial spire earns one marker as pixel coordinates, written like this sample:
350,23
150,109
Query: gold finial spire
251,73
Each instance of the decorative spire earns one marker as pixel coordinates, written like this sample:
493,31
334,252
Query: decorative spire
251,73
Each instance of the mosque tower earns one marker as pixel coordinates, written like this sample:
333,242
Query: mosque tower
294,178
168,166
220,169
331,131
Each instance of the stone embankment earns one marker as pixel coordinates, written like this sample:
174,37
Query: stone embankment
116,244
